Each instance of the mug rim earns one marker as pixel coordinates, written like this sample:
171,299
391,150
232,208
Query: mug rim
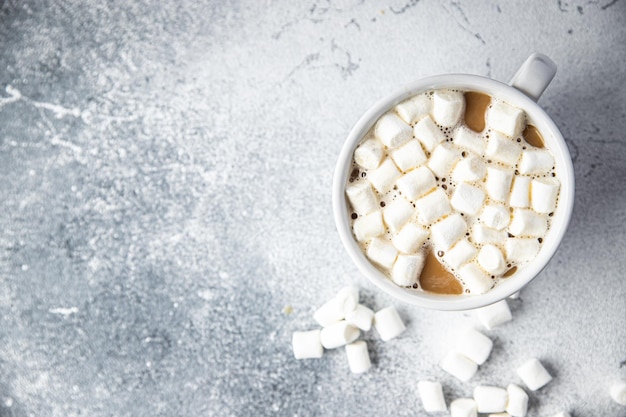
560,221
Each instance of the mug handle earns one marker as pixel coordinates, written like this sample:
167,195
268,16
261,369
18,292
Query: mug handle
534,75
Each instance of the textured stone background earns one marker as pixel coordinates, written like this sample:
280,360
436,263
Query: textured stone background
165,194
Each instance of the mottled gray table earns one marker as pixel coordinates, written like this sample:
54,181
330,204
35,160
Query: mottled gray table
165,203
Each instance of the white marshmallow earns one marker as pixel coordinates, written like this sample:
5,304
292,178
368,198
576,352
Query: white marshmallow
409,155
382,252
348,298
383,177
388,323
495,217
475,280
358,357
520,192
490,258
490,399
467,139
448,107
528,223
459,366
397,213
498,184
415,108
521,249
431,394
360,317
369,154
494,315
329,313
410,238
443,159
416,183
459,254
562,414
467,198
618,392
474,345
307,344
482,234
499,415
463,407
506,119
518,401
433,206
338,334
534,374
368,226
470,169
448,231
543,193
502,149
362,198
407,269
392,131
535,161
427,132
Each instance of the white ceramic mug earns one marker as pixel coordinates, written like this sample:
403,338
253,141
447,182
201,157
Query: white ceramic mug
523,91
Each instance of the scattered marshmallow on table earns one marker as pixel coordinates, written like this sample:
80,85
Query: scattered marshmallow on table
533,374
433,206
467,139
358,357
392,130
494,315
448,107
388,323
520,192
490,399
330,312
459,366
618,392
410,238
409,155
521,249
369,154
502,149
407,268
383,177
526,222
431,394
490,258
347,298
448,231
543,193
498,184
562,414
397,213
307,344
460,253
368,226
518,401
382,252
416,183
338,334
467,198
474,345
536,161
470,168
362,198
414,109
442,160
495,217
361,317
463,407
505,118
427,132
475,279
482,234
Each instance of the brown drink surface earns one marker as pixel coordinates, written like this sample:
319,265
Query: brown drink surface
475,107
532,136
437,279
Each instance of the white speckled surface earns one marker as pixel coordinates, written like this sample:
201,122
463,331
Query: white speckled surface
165,194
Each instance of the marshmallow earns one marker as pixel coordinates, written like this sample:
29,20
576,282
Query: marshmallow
307,344
543,193
338,334
397,213
459,366
362,198
494,315
490,258
502,149
432,396
448,231
475,280
521,249
416,183
495,217
498,184
520,192
415,108
463,407
392,131
562,414
533,374
469,169
482,234
358,357
474,345
442,160
618,392
467,198
505,119
382,252
410,238
348,298
459,254
499,415
388,323
368,226
407,269
433,206
383,177
369,154
409,155
467,139
427,132
528,223
535,161
448,107
329,313
490,399
518,401
360,317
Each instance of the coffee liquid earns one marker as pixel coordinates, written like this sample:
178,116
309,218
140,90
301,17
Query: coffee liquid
475,107
437,279
532,136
